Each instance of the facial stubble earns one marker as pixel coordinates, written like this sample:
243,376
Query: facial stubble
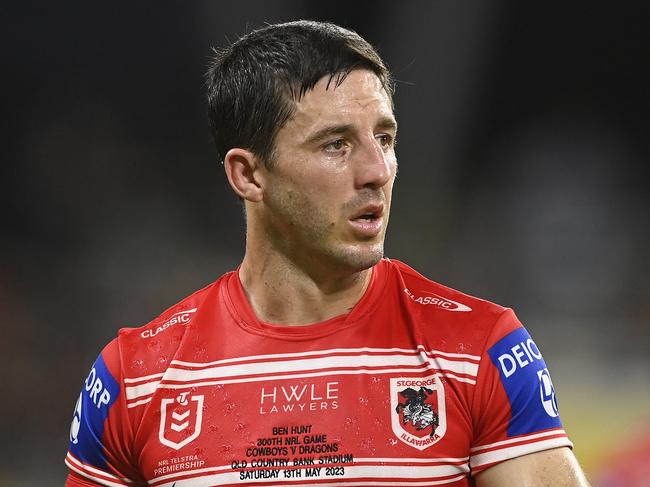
308,235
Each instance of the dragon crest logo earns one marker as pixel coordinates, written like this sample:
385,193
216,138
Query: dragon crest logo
180,420
419,417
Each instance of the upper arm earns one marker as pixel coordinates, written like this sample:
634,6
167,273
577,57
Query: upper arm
549,468
514,409
100,433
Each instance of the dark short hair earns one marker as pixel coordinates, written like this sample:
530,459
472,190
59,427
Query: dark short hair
254,83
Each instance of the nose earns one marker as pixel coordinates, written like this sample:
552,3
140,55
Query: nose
374,164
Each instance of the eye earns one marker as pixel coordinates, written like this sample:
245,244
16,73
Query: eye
386,140
335,146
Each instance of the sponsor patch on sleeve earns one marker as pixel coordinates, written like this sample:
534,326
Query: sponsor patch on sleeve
527,383
98,394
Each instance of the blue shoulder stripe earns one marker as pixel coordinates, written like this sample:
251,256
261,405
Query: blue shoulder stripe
86,433
527,383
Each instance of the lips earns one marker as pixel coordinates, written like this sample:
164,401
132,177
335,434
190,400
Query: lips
367,222
368,212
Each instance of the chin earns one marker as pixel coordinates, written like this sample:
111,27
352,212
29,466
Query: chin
361,258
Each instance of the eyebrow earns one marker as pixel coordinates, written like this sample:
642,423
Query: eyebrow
387,123
384,123
327,132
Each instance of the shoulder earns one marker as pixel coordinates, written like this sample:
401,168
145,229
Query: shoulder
124,375
423,290
467,322
149,349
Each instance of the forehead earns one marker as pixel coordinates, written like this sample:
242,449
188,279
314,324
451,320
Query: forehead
360,98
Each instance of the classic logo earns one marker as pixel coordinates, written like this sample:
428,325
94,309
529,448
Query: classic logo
182,317
437,300
180,420
418,410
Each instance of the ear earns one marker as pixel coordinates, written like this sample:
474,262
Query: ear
242,169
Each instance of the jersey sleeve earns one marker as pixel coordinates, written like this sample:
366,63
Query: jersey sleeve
515,410
100,433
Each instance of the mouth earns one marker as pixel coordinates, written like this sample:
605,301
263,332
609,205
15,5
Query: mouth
367,222
368,213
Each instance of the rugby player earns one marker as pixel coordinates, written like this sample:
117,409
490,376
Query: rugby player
318,360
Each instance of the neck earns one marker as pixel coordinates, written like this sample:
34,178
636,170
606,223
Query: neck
283,292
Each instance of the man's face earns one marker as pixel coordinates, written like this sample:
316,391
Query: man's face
327,196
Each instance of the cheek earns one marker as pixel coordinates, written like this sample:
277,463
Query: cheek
323,208
308,206
317,195
304,185
325,191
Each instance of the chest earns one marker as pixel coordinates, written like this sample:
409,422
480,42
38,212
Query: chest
336,415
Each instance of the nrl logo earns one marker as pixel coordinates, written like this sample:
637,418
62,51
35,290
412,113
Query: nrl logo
180,420
419,417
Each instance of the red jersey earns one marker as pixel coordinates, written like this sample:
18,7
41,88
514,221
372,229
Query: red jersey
419,385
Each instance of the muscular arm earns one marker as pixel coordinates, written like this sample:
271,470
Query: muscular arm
550,468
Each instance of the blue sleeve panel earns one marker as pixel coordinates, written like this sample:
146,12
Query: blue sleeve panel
527,383
97,396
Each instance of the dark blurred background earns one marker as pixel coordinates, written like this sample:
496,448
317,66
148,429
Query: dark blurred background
523,179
